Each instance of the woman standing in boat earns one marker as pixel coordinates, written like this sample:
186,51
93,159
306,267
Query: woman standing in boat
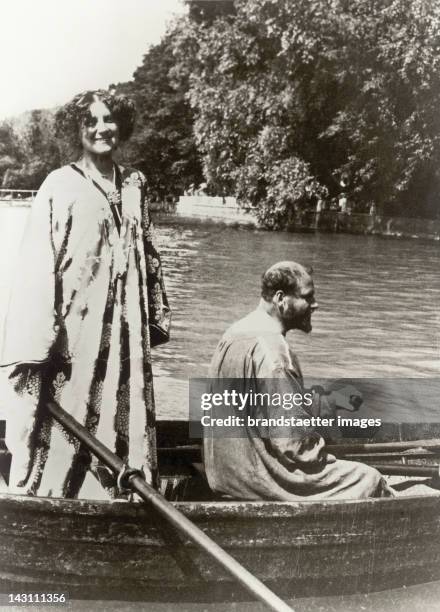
87,305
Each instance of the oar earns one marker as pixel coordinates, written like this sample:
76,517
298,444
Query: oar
381,447
169,512
427,471
411,454
193,453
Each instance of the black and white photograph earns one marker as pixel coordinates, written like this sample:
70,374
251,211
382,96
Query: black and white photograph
219,305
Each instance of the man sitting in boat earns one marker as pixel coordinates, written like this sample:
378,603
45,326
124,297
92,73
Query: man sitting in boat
277,462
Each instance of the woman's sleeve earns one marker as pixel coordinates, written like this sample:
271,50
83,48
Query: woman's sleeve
159,313
29,329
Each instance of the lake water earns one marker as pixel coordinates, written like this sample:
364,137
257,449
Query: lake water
378,298
378,301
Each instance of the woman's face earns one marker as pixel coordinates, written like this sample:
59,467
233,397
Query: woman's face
99,132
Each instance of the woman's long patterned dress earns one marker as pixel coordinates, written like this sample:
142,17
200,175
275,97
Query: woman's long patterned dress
88,289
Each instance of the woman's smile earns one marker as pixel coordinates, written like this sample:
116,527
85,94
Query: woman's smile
99,132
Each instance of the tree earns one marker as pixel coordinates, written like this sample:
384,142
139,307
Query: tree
30,153
206,11
163,145
291,97
10,153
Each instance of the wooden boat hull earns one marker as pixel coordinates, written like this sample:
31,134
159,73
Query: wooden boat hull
124,550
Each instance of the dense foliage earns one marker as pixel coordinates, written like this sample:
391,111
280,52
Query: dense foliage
295,99
163,145
28,151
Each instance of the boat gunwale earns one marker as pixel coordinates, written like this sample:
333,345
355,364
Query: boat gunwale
217,509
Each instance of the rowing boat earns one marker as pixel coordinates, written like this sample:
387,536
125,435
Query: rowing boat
126,550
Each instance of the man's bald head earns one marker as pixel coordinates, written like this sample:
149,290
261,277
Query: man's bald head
284,276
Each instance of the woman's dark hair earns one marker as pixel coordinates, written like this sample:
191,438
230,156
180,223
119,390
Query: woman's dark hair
70,117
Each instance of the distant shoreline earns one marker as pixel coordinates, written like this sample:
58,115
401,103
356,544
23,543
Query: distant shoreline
327,221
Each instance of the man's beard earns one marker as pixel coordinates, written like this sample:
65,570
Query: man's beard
305,323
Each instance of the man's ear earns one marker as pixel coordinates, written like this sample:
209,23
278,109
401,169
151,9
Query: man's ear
278,297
